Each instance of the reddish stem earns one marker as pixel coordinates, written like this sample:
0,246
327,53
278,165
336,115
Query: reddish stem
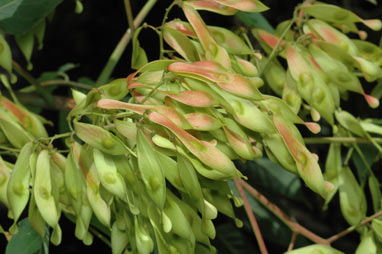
294,226
292,241
251,217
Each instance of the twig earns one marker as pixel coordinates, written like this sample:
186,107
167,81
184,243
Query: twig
354,227
130,18
163,22
121,46
251,217
292,241
276,48
28,77
100,236
66,83
328,140
294,226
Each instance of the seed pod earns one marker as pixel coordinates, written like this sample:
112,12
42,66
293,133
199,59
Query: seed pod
39,31
119,239
203,122
145,244
56,235
370,70
275,75
376,225
100,208
31,122
180,224
329,34
213,7
375,191
35,219
18,185
367,244
315,248
338,15
244,67
348,121
238,139
213,50
278,107
43,189
352,198
369,51
151,170
205,151
5,174
276,146
181,44
26,43
307,165
290,94
100,138
5,55
190,182
212,72
116,89
108,175
17,136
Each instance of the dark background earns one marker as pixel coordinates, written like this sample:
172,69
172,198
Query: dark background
89,38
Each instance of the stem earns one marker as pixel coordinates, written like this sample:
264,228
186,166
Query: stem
130,18
251,217
100,236
292,241
163,22
354,227
28,77
121,46
328,140
276,48
66,83
9,149
294,226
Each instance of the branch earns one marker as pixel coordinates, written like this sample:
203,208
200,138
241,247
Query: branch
28,77
129,14
121,46
294,226
66,83
328,140
354,227
251,217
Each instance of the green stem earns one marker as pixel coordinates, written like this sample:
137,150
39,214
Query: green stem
100,236
328,140
121,46
163,22
28,77
9,149
130,18
66,83
276,48
352,228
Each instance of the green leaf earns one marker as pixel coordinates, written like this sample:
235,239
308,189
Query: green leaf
139,57
28,14
368,155
26,241
8,8
255,20
274,178
232,240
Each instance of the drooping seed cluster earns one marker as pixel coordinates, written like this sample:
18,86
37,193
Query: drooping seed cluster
150,156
